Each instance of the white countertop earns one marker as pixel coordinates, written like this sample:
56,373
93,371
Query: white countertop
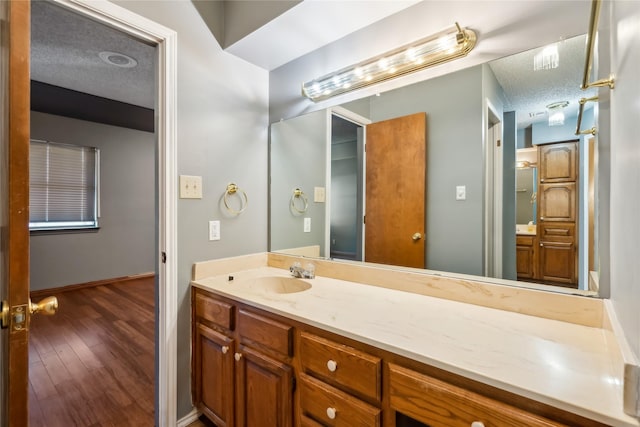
572,367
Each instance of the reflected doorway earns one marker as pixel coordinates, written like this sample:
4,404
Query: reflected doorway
347,176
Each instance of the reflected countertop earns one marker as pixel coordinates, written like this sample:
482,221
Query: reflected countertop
572,367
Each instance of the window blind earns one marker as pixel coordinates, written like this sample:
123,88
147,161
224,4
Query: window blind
63,186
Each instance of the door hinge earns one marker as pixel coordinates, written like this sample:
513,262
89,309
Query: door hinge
293,384
164,257
499,142
364,219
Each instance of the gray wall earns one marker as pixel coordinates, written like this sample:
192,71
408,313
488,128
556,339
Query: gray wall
298,160
125,243
453,104
622,115
222,136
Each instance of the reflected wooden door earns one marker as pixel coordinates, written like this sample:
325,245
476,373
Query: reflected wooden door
395,191
14,210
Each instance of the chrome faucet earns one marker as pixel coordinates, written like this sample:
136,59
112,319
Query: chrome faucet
309,272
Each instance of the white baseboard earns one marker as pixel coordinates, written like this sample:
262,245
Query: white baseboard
188,419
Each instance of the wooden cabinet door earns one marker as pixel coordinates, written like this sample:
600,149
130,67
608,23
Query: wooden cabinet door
214,375
526,257
557,162
557,202
524,262
558,262
264,393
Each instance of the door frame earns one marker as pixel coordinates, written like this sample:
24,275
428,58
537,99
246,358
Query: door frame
493,176
166,135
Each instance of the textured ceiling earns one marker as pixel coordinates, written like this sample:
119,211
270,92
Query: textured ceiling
529,91
64,52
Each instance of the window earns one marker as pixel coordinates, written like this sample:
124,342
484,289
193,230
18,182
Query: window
63,186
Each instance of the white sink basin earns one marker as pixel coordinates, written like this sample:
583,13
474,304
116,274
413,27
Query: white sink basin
275,285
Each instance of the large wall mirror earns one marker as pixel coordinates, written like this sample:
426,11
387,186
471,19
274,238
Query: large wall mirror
503,187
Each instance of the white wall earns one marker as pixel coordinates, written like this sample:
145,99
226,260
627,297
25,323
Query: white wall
624,228
125,243
222,136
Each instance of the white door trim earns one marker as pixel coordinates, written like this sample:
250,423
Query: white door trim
166,134
493,191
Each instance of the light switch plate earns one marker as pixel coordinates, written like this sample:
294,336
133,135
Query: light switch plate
214,230
190,187
307,225
318,194
461,192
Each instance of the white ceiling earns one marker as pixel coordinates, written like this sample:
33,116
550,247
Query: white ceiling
310,25
65,49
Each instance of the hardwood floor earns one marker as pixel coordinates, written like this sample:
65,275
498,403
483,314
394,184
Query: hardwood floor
92,364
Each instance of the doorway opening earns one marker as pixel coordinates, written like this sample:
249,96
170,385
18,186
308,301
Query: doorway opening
163,191
347,183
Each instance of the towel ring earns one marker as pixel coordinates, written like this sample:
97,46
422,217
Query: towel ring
233,188
298,194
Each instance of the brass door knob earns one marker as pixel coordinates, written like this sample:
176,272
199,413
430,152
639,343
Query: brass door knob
4,314
47,306
416,237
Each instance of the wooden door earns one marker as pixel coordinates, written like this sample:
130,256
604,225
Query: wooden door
395,184
264,391
557,162
214,375
14,210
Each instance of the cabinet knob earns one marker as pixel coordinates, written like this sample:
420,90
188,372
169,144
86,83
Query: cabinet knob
237,356
541,218
332,365
225,349
541,245
331,413
477,424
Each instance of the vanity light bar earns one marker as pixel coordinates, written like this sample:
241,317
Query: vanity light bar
452,43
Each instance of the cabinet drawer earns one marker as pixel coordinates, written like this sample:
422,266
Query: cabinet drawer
524,240
332,407
557,231
435,402
308,422
341,365
217,312
256,329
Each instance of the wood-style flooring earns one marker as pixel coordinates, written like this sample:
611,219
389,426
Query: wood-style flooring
92,364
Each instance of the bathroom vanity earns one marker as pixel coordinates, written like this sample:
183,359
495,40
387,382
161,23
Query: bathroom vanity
273,350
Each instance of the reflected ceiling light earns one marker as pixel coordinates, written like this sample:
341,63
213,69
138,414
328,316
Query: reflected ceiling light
547,59
452,43
118,59
556,115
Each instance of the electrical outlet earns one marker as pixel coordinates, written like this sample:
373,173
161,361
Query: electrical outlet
461,192
214,230
190,187
307,225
